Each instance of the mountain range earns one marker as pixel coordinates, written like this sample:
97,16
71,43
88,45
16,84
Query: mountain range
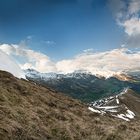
84,85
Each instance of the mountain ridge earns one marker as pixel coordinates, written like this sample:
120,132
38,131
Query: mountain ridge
84,86
124,76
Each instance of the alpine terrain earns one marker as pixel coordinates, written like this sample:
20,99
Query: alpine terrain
85,86
30,111
69,69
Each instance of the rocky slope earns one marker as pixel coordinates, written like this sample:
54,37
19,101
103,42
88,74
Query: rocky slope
31,112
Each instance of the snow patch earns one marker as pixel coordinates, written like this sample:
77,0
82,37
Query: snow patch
130,114
94,110
122,116
113,106
117,100
124,91
107,107
112,110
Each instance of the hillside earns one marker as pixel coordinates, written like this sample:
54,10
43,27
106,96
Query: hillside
31,112
124,105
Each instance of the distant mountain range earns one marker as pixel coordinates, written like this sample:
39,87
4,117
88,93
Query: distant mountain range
84,85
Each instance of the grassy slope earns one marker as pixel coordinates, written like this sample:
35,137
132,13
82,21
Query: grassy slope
32,112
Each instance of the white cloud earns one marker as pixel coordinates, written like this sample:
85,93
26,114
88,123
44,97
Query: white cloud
132,26
134,7
7,64
36,60
88,50
103,63
127,14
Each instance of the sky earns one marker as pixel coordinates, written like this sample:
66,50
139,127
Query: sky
55,27
67,35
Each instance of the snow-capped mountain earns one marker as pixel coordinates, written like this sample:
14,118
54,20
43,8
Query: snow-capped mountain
35,74
83,85
47,76
123,76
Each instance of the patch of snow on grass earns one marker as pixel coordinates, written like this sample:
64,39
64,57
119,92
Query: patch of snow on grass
124,91
94,110
130,114
122,116
117,100
107,107
112,110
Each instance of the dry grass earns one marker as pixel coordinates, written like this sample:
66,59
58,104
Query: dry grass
32,112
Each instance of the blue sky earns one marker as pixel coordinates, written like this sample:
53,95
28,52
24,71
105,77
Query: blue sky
63,36
60,29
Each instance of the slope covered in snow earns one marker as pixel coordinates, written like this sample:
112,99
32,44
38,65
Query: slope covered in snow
8,64
124,105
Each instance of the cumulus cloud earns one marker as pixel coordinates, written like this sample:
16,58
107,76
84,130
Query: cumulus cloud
134,6
127,14
132,26
8,64
103,63
33,59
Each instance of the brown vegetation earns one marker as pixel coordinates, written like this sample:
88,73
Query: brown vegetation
31,112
